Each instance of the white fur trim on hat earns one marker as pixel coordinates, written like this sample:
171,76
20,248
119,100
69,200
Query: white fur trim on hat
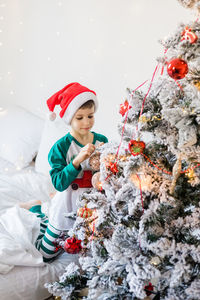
76,103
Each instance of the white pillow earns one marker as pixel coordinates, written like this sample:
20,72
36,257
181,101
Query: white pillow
53,131
20,134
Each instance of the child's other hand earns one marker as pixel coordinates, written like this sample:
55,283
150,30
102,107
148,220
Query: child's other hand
84,154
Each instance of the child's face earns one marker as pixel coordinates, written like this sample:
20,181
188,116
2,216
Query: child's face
83,120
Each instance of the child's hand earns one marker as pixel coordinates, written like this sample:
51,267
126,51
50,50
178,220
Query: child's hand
84,154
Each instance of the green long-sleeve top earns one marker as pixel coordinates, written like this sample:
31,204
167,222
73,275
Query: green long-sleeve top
61,156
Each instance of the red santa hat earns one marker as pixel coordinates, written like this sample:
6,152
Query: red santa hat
70,99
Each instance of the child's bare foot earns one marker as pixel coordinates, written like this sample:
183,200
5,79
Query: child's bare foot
29,204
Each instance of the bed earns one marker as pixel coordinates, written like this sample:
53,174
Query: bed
24,176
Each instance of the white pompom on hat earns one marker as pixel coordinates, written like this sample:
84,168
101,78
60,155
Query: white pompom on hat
70,99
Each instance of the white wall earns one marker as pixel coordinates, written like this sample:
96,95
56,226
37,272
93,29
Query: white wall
107,45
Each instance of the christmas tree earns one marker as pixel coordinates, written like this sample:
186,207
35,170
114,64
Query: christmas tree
140,225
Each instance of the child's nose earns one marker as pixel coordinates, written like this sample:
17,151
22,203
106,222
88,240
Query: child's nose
87,121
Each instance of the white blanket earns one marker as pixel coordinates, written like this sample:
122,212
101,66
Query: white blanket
19,229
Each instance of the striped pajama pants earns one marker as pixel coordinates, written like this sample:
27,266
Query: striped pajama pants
45,242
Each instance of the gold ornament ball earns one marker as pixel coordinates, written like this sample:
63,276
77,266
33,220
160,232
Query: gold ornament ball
197,85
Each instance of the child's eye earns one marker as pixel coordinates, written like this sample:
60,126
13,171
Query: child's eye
90,117
79,118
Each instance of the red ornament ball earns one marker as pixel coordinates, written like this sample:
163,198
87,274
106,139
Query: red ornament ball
177,68
72,245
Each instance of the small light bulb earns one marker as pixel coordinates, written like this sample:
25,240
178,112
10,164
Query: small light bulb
6,169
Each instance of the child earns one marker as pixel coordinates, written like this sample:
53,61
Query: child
70,170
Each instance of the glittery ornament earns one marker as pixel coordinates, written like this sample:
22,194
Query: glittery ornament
136,147
72,245
124,108
84,212
177,68
94,161
188,3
